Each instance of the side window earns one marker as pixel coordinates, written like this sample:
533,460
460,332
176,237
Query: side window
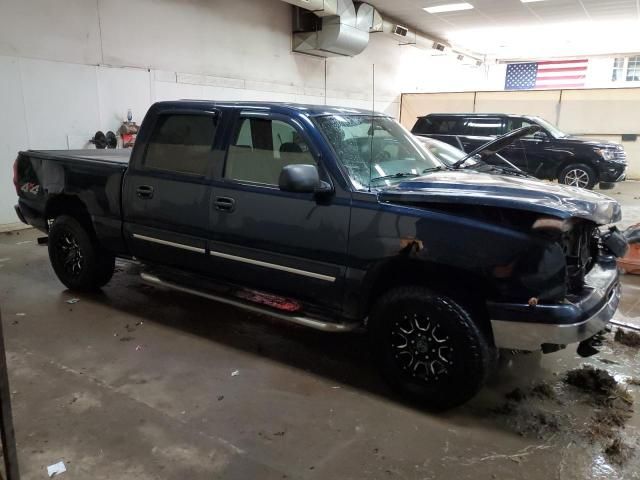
515,123
483,127
261,148
442,125
181,143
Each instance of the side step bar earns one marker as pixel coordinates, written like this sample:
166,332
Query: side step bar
304,321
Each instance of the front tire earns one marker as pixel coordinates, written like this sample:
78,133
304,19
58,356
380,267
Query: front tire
578,175
428,347
79,262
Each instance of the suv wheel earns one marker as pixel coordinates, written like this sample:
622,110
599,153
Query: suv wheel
77,259
578,175
429,347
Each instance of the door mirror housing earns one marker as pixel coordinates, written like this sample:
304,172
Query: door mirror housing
302,179
540,136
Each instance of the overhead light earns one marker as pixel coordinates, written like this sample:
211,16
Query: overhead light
448,7
531,1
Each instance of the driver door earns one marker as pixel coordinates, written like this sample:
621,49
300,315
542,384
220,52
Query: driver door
292,244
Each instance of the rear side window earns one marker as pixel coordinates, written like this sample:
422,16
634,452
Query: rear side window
437,125
483,127
261,149
181,143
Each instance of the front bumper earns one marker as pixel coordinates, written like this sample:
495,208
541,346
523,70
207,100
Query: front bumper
612,172
522,327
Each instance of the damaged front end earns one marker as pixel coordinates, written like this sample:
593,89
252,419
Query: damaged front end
592,292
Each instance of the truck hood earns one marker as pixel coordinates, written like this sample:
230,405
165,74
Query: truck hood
475,188
573,140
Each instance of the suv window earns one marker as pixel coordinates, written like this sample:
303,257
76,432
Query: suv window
441,125
181,143
515,123
483,127
262,147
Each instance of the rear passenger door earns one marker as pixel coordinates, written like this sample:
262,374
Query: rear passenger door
291,244
167,191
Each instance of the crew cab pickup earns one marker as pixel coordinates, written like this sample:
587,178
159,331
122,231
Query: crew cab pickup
335,219
548,153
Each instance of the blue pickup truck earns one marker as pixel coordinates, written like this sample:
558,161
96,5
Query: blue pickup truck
336,219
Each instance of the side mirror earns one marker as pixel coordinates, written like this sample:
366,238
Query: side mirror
540,136
302,179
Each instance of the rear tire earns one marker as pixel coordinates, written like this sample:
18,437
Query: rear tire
79,262
578,175
429,348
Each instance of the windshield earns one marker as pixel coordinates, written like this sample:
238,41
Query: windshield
552,129
376,151
444,152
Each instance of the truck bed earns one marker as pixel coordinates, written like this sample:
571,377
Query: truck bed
118,156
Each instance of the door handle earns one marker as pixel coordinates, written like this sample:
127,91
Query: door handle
225,204
144,191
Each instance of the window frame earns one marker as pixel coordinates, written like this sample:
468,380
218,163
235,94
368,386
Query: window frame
215,114
636,68
293,123
625,70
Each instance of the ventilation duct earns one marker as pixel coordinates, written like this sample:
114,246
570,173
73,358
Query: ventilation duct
332,28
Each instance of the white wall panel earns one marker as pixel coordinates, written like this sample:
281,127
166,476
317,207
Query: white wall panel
543,103
60,100
245,39
63,30
14,133
120,89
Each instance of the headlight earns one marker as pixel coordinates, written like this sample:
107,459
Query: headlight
605,153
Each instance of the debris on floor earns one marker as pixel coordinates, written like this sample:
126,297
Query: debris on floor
633,381
71,301
56,469
592,379
628,338
20,314
235,373
618,451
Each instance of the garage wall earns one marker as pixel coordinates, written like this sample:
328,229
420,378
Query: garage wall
71,67
604,114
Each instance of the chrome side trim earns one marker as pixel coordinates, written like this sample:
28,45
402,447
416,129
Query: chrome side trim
304,321
169,244
319,276
530,336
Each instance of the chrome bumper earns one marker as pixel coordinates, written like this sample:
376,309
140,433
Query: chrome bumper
528,335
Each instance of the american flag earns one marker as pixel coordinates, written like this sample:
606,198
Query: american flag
549,74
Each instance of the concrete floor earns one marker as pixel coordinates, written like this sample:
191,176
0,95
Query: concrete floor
140,383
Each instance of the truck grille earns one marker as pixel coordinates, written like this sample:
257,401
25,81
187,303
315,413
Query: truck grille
580,248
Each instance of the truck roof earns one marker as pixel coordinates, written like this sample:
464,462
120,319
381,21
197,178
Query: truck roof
274,107
473,115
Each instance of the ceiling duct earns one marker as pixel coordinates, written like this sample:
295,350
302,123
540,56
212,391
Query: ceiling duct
332,28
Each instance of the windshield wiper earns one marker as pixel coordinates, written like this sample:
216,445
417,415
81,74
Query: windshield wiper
434,169
395,175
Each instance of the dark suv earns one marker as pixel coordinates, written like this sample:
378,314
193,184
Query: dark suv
547,154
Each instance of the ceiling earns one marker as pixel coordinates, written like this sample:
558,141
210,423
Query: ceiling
512,29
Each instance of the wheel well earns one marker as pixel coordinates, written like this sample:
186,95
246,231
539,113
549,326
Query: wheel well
69,205
575,161
465,288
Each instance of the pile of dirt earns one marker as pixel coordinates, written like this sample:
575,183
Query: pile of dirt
592,379
618,451
614,409
628,338
524,413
